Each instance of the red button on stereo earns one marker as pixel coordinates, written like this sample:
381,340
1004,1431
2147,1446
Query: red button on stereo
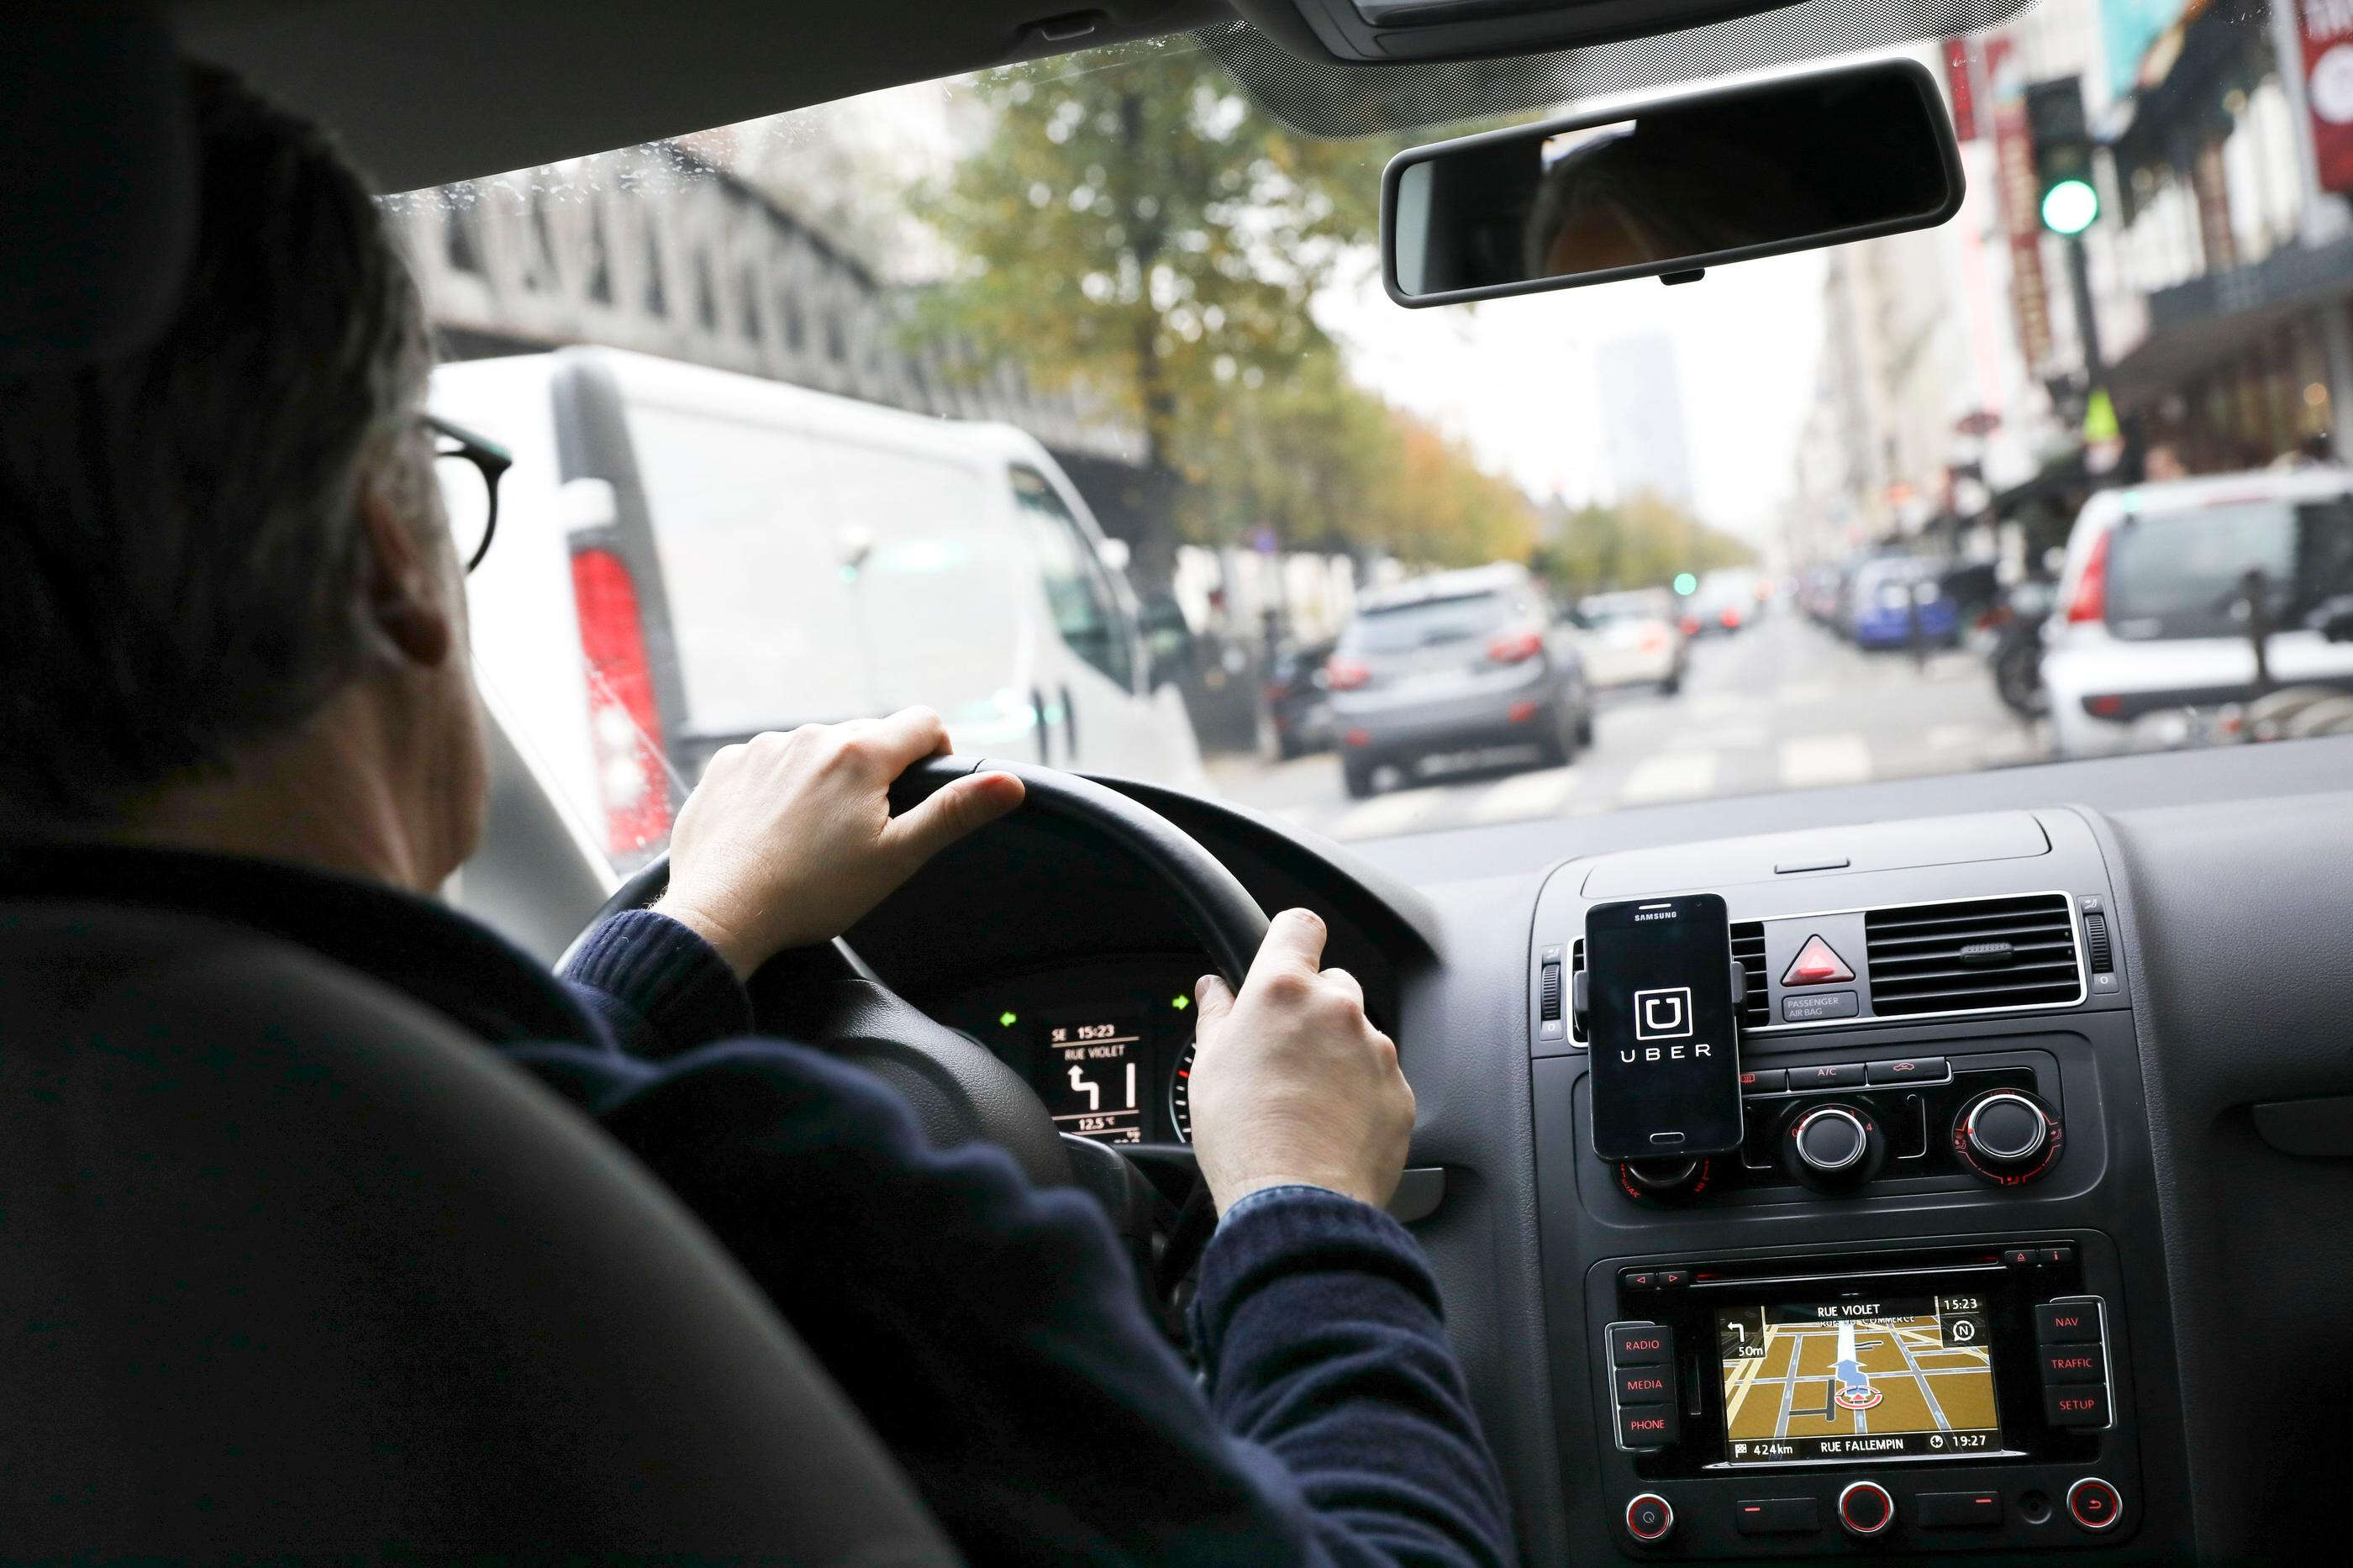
1650,1517
1816,964
2094,1504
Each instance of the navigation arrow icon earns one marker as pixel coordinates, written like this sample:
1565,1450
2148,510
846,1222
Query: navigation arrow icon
1816,964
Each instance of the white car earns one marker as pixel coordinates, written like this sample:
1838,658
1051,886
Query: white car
687,556
1632,639
2151,619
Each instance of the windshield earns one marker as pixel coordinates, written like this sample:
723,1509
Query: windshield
1067,399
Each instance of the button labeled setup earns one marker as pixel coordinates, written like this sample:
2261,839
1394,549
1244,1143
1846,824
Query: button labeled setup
1776,1515
1815,1005
1641,1344
2083,1406
1960,1511
1816,964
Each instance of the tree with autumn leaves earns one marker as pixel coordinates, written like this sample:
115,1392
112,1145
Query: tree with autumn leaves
1135,229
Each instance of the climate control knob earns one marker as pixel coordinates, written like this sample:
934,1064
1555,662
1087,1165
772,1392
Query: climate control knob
2007,1137
1832,1146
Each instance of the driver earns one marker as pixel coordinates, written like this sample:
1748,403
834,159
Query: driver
236,631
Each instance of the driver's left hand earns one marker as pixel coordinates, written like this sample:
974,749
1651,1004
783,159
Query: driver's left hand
790,838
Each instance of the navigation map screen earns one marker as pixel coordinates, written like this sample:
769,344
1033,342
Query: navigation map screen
1898,1378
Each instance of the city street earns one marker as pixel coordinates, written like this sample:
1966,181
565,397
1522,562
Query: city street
1781,705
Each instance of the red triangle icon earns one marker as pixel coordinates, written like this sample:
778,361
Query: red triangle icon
1816,964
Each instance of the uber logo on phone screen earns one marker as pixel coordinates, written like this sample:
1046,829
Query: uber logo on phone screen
1662,1015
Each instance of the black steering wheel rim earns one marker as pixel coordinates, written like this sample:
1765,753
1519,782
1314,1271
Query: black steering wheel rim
959,1088
1218,910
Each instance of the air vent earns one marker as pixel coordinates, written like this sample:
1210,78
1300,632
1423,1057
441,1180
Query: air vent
1981,952
1748,947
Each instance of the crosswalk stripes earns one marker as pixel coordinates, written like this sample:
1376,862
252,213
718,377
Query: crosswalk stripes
1809,761
1525,796
1386,814
1669,775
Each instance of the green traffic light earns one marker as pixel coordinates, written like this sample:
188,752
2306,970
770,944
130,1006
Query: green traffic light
1180,1002
1685,583
1006,1020
2069,206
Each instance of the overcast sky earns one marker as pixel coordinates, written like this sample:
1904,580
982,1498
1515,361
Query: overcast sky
1519,378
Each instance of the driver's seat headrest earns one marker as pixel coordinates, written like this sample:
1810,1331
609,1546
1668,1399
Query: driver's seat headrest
289,1266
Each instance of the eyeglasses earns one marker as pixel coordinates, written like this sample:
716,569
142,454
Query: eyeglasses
470,486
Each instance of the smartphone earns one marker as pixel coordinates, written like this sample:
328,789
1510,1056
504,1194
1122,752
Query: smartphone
1660,1028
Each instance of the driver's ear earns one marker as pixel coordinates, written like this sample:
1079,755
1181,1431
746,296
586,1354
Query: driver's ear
405,587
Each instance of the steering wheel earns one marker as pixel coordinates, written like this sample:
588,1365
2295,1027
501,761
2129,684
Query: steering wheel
960,1091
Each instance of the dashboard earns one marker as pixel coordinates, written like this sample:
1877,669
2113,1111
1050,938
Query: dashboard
2044,1264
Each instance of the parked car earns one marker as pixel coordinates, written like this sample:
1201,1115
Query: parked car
1632,638
1452,662
1887,594
1725,600
2153,612
1298,699
687,556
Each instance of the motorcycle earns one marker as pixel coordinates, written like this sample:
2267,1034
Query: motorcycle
2015,655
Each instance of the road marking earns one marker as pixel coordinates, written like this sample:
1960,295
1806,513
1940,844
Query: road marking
1951,737
1810,761
1717,705
1725,737
1790,693
1526,795
1385,813
1669,775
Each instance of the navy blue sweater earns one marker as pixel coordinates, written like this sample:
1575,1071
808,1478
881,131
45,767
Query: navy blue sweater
990,1332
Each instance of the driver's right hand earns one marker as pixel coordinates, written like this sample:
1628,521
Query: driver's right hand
1291,1084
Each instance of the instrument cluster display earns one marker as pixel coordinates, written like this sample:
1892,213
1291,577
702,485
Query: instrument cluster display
1108,1048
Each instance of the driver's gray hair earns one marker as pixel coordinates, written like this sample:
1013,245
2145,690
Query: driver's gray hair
181,571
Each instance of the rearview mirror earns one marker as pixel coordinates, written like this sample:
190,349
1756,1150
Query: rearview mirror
1671,188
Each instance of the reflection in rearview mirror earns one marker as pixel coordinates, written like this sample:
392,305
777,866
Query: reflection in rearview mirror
1672,187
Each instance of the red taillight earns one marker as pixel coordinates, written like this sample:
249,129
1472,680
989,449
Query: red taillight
1345,674
2090,600
1653,640
1514,647
624,722
1730,619
1690,625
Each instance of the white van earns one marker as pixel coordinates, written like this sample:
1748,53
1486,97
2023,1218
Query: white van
687,556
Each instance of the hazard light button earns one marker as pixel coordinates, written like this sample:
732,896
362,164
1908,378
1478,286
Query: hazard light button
1816,964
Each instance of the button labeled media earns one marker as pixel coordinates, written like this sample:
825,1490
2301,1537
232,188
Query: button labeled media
1646,1385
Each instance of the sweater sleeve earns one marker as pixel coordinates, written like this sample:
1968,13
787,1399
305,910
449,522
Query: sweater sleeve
657,988
992,1334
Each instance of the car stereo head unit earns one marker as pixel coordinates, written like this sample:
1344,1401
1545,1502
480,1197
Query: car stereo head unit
1918,1358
